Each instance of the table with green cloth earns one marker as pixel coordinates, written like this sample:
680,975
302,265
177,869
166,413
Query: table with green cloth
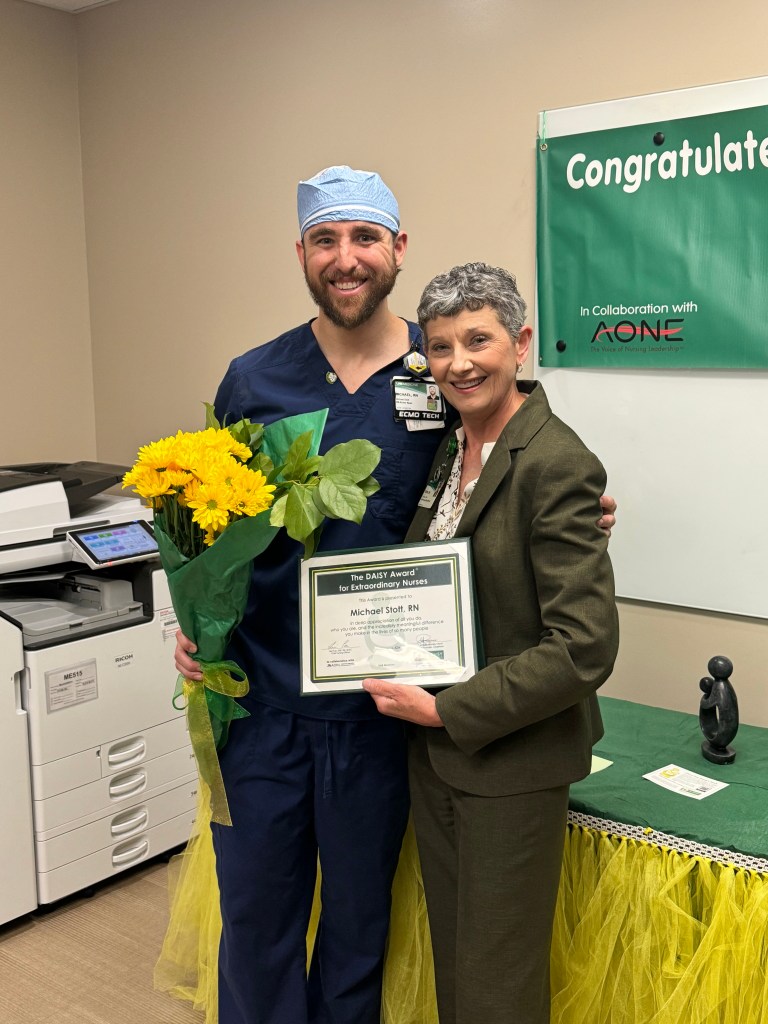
663,910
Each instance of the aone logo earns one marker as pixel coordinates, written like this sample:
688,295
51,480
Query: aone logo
627,330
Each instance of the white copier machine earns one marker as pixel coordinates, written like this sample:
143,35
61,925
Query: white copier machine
96,767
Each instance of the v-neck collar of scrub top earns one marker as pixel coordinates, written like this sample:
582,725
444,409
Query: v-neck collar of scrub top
332,392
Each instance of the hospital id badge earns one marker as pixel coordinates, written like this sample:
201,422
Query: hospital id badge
418,403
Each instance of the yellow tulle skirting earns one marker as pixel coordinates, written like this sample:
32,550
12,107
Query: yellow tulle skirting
643,934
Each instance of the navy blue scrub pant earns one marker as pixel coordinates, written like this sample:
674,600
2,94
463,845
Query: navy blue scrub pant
297,786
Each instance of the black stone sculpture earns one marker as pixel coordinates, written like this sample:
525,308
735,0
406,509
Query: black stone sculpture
718,712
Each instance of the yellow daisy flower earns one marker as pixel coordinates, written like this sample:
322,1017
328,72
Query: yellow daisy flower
251,493
158,454
211,506
177,478
212,466
147,482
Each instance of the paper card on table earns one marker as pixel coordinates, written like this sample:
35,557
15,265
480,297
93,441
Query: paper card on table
680,780
598,763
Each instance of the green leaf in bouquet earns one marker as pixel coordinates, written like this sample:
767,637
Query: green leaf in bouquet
369,486
256,436
247,433
302,516
311,542
343,500
352,460
263,463
210,417
321,506
293,468
310,467
277,512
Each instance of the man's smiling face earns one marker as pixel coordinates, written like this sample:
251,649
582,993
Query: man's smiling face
350,268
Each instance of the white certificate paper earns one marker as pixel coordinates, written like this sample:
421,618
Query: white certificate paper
686,783
405,614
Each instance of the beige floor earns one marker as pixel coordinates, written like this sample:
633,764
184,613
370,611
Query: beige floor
90,960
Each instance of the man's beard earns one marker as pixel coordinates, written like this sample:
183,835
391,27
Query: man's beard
352,314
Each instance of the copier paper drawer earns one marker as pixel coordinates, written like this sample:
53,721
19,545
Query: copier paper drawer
54,885
87,803
115,827
108,758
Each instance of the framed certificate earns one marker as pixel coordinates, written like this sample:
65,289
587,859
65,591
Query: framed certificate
406,614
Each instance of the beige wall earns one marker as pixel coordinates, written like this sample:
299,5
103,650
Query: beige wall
47,409
199,116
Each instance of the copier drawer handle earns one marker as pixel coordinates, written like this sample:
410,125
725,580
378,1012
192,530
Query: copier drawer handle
135,823
125,784
134,753
132,854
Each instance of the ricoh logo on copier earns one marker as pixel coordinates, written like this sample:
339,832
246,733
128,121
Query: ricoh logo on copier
123,660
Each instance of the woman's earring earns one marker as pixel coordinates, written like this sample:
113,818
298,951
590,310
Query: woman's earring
519,367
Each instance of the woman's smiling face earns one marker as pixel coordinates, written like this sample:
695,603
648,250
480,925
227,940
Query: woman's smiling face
474,360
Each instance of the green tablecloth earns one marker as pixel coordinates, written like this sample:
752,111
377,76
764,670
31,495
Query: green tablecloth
640,739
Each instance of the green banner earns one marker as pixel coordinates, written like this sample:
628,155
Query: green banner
652,244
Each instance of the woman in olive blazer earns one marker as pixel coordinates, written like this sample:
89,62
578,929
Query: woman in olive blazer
491,759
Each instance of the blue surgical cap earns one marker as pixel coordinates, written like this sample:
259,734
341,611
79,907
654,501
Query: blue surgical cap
339,193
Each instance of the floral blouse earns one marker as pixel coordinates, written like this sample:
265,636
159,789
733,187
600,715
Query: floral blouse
451,506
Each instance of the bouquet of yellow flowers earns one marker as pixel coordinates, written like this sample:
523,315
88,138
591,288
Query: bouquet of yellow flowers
219,497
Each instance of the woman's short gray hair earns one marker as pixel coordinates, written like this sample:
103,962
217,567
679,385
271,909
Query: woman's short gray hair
473,286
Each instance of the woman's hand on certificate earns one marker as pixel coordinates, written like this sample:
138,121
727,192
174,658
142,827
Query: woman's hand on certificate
400,700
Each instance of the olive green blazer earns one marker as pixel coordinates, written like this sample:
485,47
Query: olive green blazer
545,593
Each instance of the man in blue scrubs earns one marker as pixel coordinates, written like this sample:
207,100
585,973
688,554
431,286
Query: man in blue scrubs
320,774
327,773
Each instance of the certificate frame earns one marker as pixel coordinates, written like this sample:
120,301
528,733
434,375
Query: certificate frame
406,614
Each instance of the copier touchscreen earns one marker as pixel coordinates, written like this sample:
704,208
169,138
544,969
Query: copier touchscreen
127,542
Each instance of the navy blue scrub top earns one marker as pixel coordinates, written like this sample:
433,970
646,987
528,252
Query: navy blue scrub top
285,377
